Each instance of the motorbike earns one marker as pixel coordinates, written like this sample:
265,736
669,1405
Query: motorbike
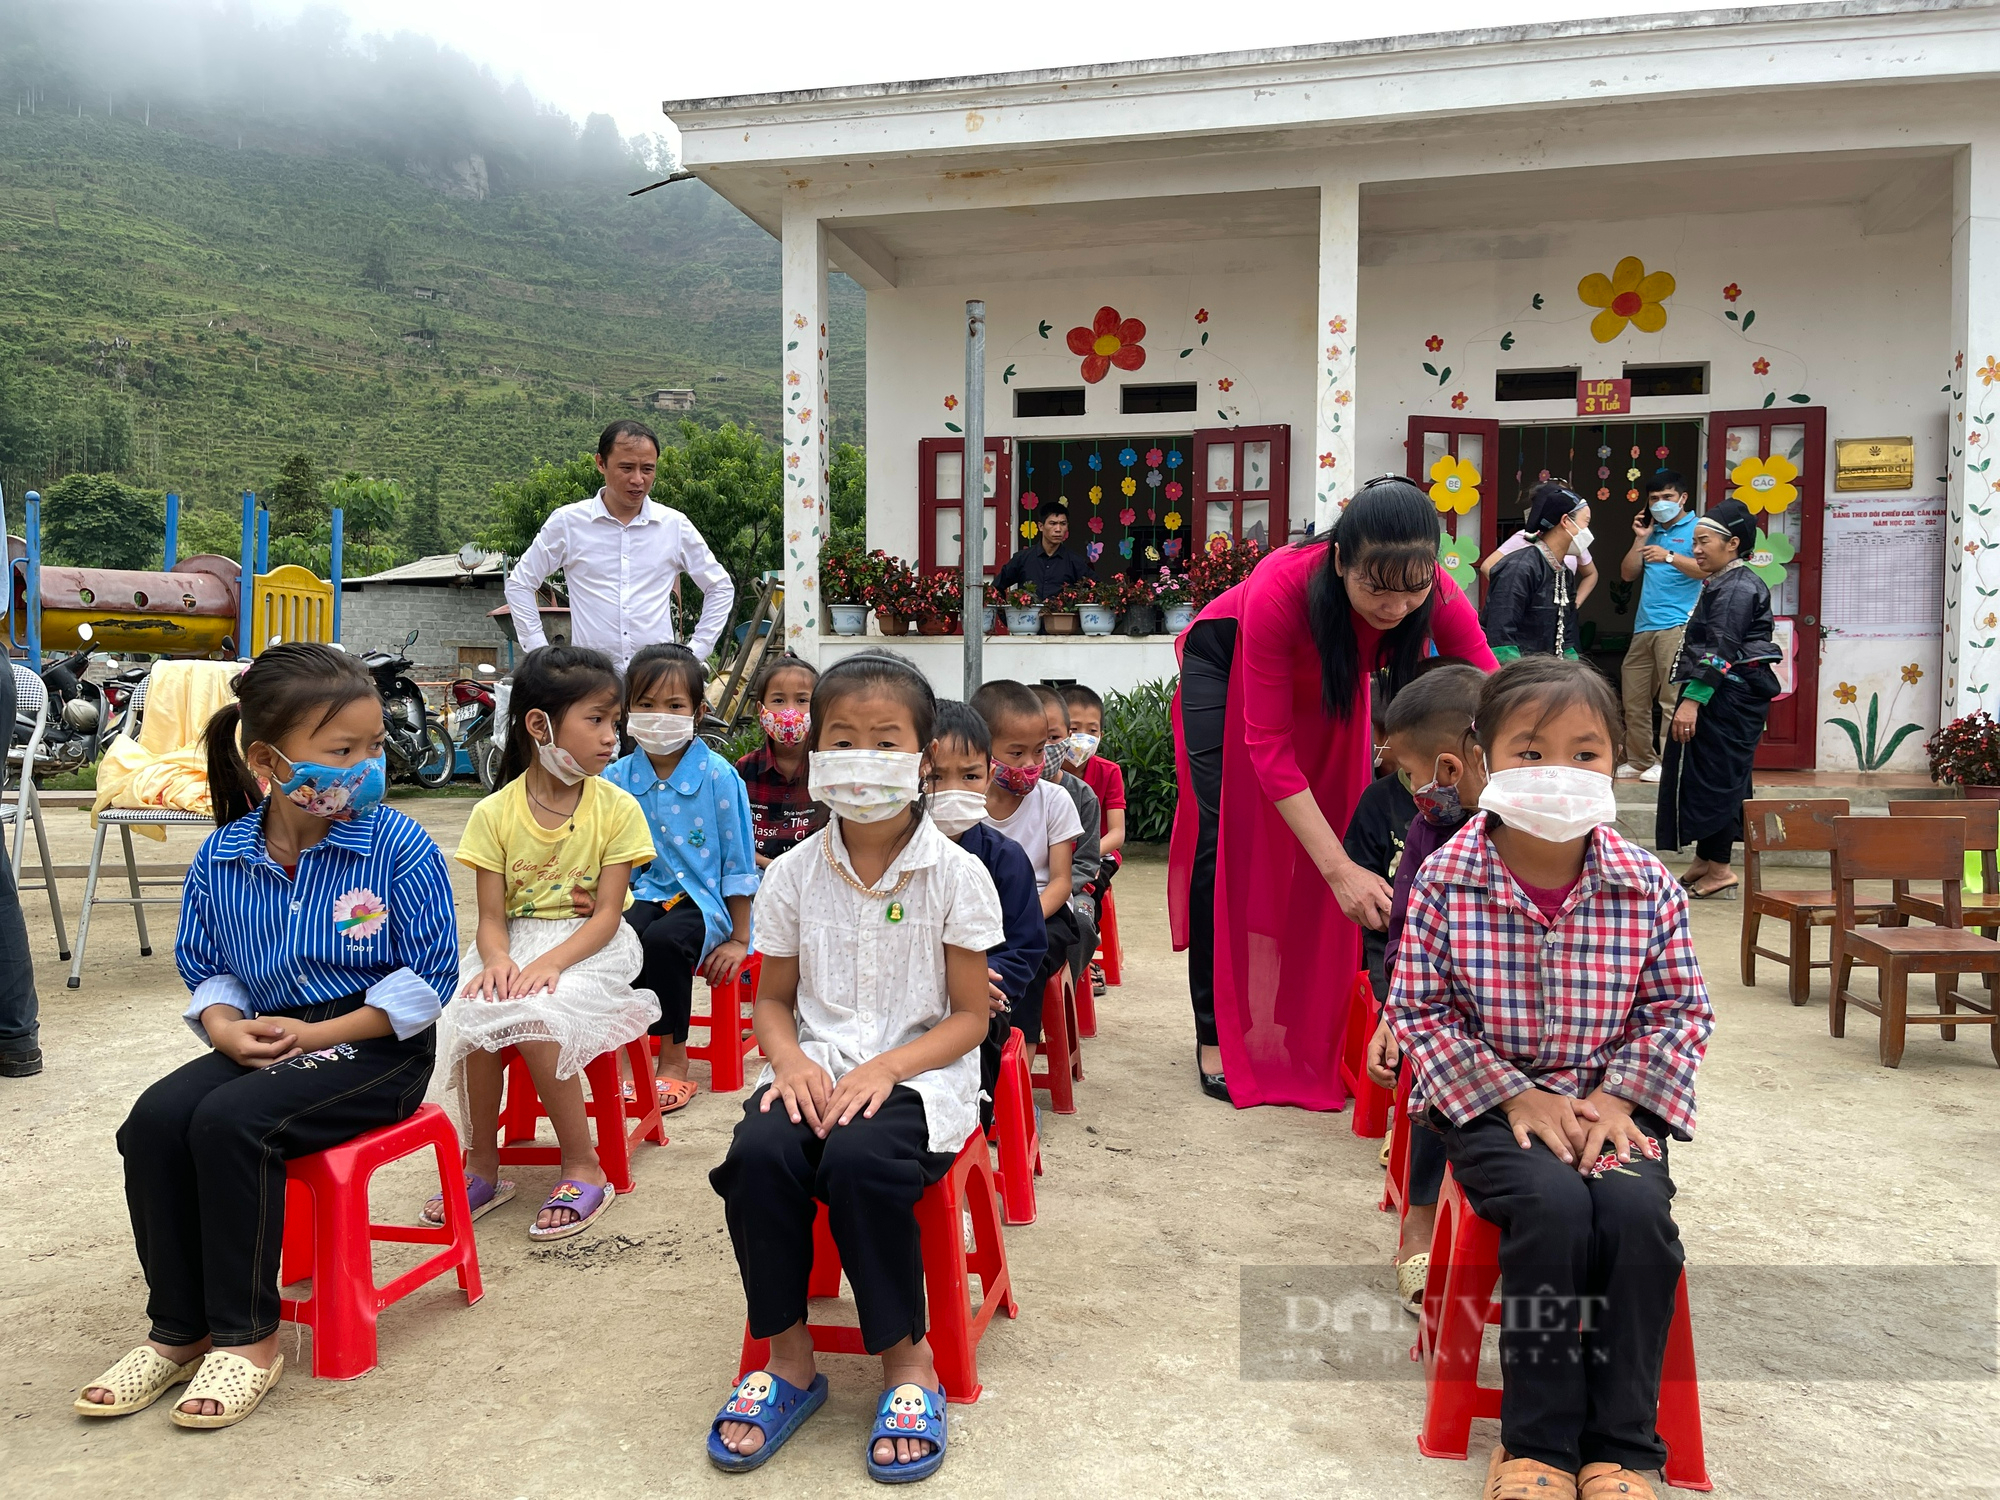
79,725
415,741
472,716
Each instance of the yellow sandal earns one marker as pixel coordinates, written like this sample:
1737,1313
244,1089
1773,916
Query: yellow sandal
233,1383
136,1381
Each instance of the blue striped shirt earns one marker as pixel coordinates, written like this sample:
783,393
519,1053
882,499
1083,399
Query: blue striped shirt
370,910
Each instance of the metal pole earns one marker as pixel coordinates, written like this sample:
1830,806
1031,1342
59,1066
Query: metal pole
972,496
167,553
263,541
339,533
31,527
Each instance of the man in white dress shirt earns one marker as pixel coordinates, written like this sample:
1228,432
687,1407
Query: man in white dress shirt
622,556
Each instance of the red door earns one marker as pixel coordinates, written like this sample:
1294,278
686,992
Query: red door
1242,484
1755,457
940,486
1452,457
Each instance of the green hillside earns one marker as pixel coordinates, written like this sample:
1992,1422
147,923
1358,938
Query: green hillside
194,311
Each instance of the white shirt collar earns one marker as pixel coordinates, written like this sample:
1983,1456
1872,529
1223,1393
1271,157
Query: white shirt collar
650,510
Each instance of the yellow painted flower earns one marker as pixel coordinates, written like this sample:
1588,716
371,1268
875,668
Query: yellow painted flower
1765,483
1846,692
1454,485
1913,674
1627,295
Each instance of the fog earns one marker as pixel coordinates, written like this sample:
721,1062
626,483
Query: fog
313,84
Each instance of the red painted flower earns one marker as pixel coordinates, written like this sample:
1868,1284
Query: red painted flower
1434,343
951,403
1030,500
1201,315
1109,340
1458,401
1127,516
1762,366
1225,384
1326,460
1731,292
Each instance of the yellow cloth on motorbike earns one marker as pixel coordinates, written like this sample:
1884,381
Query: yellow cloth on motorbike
167,765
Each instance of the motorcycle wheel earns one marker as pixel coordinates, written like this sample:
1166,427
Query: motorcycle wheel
486,762
441,761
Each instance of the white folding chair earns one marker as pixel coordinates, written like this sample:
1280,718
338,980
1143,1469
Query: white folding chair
124,819
25,805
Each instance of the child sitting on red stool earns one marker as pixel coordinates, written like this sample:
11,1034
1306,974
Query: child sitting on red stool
1548,998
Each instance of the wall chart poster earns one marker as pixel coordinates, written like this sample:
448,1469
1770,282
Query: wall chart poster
1884,568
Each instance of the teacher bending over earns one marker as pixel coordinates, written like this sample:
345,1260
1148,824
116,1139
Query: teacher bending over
1272,734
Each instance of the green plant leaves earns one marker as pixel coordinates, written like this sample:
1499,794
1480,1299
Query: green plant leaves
1139,735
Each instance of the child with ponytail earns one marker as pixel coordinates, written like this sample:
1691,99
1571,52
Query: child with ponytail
316,934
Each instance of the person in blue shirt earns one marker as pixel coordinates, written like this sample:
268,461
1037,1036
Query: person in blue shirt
961,769
1663,548
691,905
318,938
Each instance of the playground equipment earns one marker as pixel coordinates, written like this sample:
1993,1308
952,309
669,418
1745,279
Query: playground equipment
204,605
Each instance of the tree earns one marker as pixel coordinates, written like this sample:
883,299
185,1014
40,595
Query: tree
847,491
294,499
423,532
521,505
375,267
730,484
93,521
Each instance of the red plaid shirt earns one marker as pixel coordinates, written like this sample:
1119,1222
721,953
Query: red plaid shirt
1491,999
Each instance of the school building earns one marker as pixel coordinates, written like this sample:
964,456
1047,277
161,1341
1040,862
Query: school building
1760,247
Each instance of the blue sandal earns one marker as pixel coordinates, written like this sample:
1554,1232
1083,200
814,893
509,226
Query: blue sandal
772,1405
908,1411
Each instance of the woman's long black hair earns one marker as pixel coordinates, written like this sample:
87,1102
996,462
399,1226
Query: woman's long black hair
1389,533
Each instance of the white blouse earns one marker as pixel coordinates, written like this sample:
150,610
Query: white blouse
871,968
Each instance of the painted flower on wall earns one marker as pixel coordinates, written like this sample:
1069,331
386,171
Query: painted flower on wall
1029,531
1201,315
951,403
1454,485
1765,484
1094,551
1760,366
1225,384
1173,490
1627,295
1768,556
1458,401
1434,343
1128,457
1729,294
1153,458
1336,325
1109,340
1127,516
1847,692
1173,520
1913,674
1326,460
1095,523
1990,371
1096,493
791,377
1341,398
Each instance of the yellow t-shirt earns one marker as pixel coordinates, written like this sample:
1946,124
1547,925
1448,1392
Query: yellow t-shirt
546,867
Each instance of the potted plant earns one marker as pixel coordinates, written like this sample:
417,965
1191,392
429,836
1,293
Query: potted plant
1142,615
1219,567
1024,610
1059,615
897,596
1966,754
846,576
1102,601
943,604
1175,596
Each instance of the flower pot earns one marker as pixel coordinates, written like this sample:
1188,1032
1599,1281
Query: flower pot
1024,620
988,614
1984,793
1140,619
937,624
1098,619
1060,622
849,619
891,624
1179,617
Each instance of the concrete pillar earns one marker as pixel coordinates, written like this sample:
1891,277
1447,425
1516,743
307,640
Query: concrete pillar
805,424
1972,527
1331,461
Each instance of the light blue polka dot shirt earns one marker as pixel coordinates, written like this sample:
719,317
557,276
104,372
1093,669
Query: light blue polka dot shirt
700,821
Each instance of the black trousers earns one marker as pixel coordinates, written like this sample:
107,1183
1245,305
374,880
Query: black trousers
1205,664
1718,848
869,1174
205,1151
1588,1270
671,938
19,1007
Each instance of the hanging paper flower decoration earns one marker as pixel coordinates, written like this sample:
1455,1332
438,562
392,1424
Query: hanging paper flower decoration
1604,452
1030,500
1128,485
1062,466
1459,557
1765,484
1768,556
1029,531
1174,459
1153,457
1454,485
1096,459
1096,493
1094,551
1173,489
1152,554
1173,546
1154,479
1627,295
1603,493
1109,340
1633,472
1127,516
1127,457
1603,472
1660,453
1125,547
1173,521
1095,523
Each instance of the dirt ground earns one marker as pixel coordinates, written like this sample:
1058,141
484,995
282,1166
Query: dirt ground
594,1367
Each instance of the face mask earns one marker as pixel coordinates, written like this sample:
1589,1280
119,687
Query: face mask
661,734
865,786
785,726
557,761
956,811
1439,804
1082,747
1020,780
1052,759
337,793
1580,544
1665,511
1556,803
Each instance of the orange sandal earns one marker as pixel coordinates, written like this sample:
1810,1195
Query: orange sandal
1525,1479
673,1093
1606,1481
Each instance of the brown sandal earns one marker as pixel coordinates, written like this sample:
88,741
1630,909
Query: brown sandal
1525,1479
1606,1481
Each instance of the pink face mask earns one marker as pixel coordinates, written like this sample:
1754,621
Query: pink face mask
1020,780
786,726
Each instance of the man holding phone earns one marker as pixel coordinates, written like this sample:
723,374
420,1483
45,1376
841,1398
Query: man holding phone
1663,551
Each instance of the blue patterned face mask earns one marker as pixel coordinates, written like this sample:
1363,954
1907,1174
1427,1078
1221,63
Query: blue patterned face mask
337,793
1439,804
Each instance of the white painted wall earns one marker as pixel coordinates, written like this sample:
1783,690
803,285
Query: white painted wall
1110,665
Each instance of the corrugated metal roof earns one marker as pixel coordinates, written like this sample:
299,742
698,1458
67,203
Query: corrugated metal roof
444,568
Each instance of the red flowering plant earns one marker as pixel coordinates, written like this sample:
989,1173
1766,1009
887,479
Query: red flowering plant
896,589
1966,752
943,595
1220,566
848,573
1022,596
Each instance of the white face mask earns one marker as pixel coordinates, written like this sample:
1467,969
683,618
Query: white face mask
1081,747
1556,803
557,761
865,786
1580,542
955,812
662,734
1666,511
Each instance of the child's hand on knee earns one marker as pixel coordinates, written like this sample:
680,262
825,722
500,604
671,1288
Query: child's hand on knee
535,978
494,982
1555,1119
805,1088
861,1092
1614,1127
1383,1056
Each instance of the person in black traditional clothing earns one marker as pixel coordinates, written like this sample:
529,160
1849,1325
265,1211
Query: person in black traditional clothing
1725,670
1532,598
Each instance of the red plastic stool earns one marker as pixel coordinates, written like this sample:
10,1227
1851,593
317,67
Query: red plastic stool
521,1107
955,1327
1018,1143
1371,1100
727,1045
1459,1303
1396,1180
1059,1039
1086,1004
329,1239
1110,952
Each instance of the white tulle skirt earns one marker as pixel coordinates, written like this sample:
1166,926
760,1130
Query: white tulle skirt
593,1008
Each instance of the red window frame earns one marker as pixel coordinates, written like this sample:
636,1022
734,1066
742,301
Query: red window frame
1279,436
928,503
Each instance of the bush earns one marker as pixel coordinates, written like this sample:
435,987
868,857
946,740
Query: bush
1966,752
1139,735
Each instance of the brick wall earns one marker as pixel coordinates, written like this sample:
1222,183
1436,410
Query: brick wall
444,619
